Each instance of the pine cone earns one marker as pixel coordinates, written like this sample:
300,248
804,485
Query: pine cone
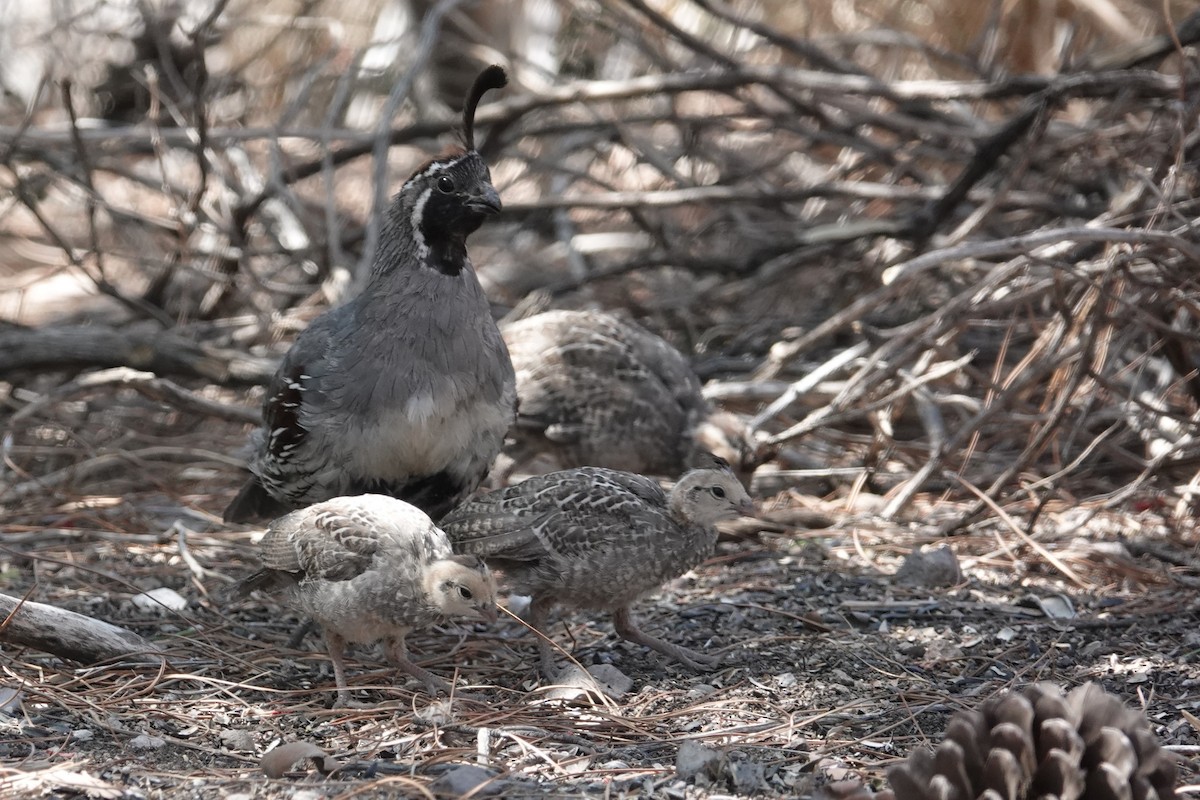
1038,744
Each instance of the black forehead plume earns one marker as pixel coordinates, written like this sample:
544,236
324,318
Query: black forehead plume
491,78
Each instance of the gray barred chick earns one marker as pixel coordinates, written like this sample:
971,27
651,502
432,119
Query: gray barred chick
371,567
598,538
594,390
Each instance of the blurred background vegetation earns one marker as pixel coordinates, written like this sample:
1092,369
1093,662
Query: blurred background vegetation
947,247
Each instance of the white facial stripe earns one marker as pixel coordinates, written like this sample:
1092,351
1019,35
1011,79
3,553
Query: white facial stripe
417,217
436,167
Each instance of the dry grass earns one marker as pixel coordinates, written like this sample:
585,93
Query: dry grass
948,269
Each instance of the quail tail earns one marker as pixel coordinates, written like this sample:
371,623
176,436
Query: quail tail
253,504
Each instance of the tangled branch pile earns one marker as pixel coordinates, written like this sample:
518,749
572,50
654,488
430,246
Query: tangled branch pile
950,278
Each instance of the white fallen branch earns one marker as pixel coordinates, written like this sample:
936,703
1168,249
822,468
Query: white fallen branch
67,634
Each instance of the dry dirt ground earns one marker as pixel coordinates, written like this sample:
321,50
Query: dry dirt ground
834,669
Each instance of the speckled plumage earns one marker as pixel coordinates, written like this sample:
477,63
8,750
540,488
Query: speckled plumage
595,390
598,538
407,389
370,567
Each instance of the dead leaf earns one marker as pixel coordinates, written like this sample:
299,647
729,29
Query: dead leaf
280,759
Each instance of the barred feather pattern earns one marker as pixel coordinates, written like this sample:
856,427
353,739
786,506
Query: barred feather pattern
1038,743
357,565
595,390
596,538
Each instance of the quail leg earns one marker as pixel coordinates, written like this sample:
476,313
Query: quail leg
302,630
396,652
626,629
539,609
336,646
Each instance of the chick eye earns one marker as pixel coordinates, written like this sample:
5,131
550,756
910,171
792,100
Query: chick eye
718,491
445,184
464,593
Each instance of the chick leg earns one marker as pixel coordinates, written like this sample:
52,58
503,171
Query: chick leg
301,631
539,609
626,629
396,652
336,646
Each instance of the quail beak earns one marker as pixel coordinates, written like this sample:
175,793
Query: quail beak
486,202
489,612
746,508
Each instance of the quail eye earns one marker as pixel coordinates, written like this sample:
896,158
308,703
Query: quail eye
718,491
445,184
464,593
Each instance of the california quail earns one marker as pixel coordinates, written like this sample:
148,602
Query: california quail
371,567
406,390
598,538
1038,744
598,391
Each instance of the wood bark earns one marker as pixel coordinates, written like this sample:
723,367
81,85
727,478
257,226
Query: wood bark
160,352
66,634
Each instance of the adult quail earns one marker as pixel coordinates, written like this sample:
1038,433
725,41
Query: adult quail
371,567
595,390
598,538
406,390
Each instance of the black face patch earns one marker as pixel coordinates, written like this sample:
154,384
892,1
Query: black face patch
445,202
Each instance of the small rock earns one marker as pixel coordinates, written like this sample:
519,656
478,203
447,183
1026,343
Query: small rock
694,758
943,650
1056,606
438,712
83,735
238,740
10,700
571,683
160,600
145,742
699,691
746,776
307,794
786,680
239,796
930,568
466,779
519,603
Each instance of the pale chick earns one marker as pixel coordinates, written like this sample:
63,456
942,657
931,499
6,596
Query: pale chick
597,538
371,567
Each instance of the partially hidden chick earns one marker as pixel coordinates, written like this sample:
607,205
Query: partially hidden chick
597,538
595,390
371,567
